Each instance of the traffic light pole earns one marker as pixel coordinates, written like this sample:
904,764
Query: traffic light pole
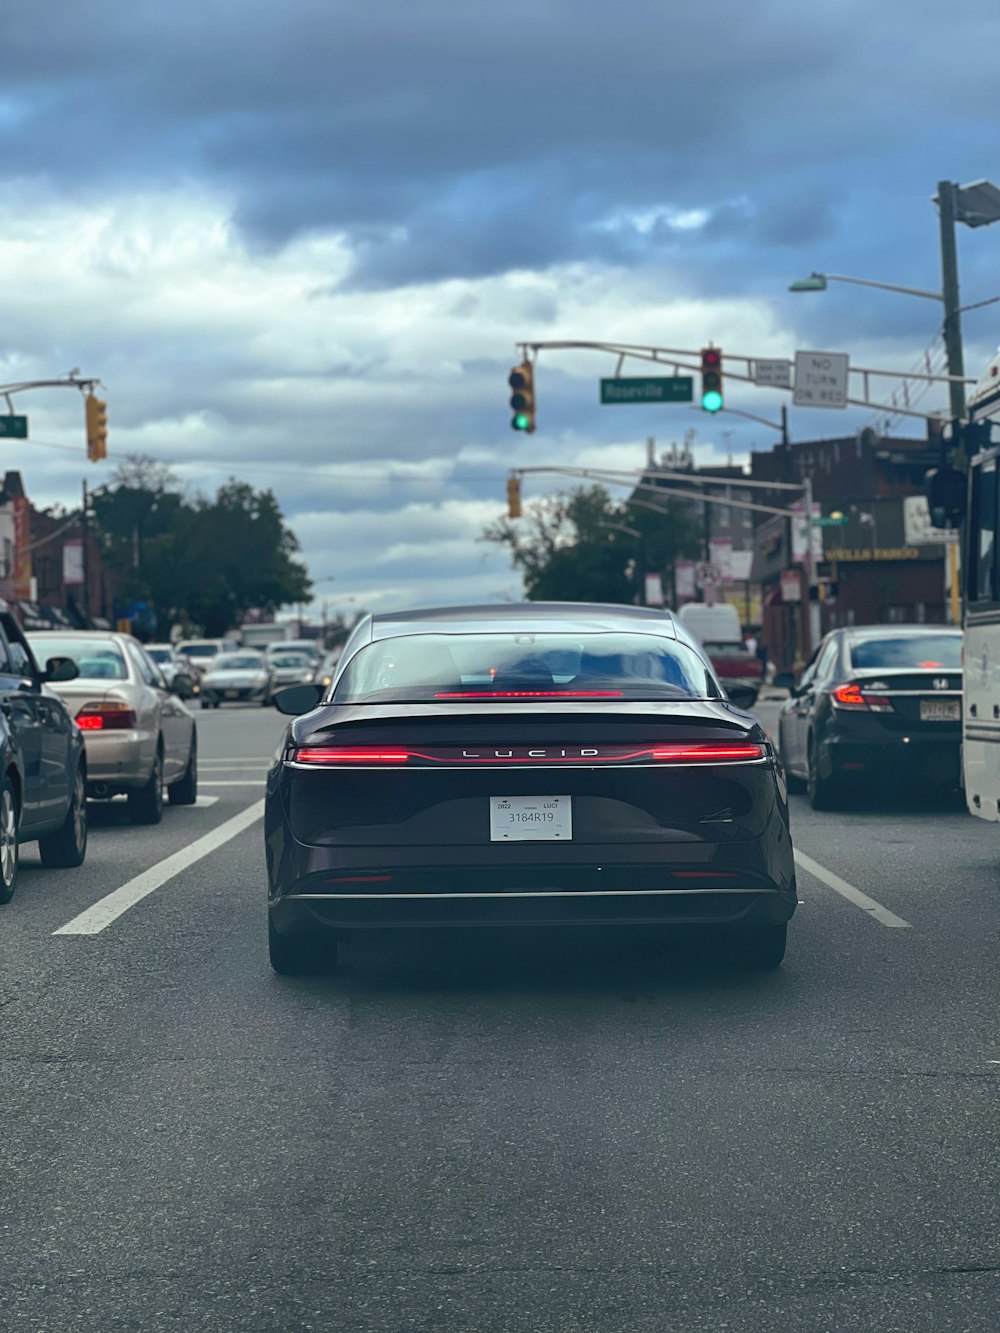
952,304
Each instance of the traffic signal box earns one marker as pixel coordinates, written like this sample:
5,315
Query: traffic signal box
513,497
97,428
711,379
522,397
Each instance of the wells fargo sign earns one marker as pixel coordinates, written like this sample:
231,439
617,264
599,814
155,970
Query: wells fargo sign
879,553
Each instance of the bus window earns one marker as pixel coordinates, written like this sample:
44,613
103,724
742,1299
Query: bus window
983,546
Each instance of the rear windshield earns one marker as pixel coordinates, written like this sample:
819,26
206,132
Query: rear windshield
237,662
534,667
159,654
200,649
290,660
908,650
95,659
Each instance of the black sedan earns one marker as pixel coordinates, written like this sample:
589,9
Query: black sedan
505,765
875,706
43,776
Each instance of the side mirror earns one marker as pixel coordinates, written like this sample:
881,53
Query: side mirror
182,684
784,680
298,699
742,696
59,669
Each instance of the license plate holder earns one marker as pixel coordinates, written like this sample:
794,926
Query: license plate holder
940,710
531,819
232,694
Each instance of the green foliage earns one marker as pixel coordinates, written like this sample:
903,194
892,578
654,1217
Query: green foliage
577,547
200,561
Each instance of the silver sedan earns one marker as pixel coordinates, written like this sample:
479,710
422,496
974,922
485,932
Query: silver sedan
138,735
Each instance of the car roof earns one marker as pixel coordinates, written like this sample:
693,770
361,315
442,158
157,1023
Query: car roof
555,617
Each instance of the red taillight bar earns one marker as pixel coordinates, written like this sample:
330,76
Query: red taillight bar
853,696
359,755
700,753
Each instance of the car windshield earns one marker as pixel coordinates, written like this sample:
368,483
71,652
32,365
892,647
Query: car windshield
96,659
290,660
159,654
199,650
237,662
532,667
907,650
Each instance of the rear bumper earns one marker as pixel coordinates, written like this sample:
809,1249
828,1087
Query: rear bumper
119,759
905,758
233,694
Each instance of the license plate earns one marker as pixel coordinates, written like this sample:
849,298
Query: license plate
531,819
940,710
232,694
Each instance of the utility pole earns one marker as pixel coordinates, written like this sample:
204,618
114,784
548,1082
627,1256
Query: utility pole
85,526
947,213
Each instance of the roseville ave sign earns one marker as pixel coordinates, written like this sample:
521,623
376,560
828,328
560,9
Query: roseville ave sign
649,389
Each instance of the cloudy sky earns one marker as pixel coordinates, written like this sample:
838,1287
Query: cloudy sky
299,242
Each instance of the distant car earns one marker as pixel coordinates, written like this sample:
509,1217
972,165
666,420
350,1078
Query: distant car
312,649
717,628
327,669
290,669
138,735
505,765
199,652
43,768
171,663
240,677
879,706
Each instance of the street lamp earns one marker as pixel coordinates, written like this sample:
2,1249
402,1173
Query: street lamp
977,205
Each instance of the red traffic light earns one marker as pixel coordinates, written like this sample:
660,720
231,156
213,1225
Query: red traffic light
711,359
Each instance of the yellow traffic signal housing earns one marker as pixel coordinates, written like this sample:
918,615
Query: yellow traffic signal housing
522,397
97,429
513,497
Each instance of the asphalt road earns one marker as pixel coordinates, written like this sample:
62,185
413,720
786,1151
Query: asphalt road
582,1134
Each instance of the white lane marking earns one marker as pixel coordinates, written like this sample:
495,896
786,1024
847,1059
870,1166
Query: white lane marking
108,909
203,802
875,910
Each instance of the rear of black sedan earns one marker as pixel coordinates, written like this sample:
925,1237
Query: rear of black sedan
507,769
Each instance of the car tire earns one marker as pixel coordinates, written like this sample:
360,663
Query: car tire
759,947
67,847
823,793
145,806
9,860
291,956
185,790
796,786
205,703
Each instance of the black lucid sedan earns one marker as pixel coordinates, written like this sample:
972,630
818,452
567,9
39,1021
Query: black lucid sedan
875,706
516,765
42,762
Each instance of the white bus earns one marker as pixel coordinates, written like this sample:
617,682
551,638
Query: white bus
981,583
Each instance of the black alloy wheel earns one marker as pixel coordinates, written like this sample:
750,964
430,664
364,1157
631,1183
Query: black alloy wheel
185,790
9,816
823,792
145,806
67,847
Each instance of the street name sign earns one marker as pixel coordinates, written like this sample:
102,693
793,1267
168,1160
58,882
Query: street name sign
821,379
649,389
13,428
776,374
832,522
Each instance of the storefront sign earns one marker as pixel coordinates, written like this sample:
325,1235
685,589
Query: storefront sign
879,553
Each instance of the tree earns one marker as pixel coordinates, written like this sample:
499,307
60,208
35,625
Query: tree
578,547
199,561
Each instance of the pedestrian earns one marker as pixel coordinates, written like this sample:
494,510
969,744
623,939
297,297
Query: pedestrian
750,641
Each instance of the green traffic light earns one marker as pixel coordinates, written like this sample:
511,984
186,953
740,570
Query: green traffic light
711,401
522,421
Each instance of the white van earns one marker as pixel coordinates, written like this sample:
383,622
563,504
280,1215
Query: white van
712,624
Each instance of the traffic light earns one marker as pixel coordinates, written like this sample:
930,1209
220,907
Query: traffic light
513,497
522,397
97,429
711,379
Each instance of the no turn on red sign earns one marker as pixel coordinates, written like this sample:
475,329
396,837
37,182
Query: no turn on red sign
821,379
